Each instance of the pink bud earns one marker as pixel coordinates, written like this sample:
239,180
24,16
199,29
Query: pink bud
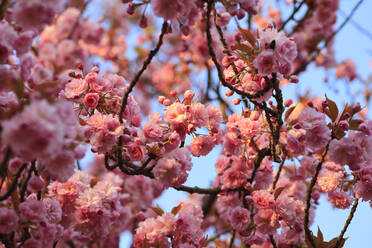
288,102
343,125
173,93
240,14
236,101
185,30
167,102
294,79
189,95
229,93
161,99
143,22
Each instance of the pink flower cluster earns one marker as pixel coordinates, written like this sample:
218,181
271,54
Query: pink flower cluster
186,117
92,209
183,227
346,69
278,53
48,132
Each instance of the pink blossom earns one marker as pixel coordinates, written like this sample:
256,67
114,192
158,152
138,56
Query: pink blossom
266,220
32,210
152,131
8,220
240,218
263,199
171,170
135,152
339,199
347,69
265,62
91,100
249,128
328,180
166,9
232,144
155,230
23,43
201,146
75,88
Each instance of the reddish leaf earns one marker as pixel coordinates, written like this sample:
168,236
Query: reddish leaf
289,112
248,36
278,191
332,106
354,124
158,210
176,209
244,48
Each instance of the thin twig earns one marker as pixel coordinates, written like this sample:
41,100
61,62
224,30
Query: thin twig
295,10
309,194
272,240
329,39
278,173
347,223
13,185
148,60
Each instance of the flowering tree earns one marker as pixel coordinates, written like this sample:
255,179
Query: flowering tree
70,83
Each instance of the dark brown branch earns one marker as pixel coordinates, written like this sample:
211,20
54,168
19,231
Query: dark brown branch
309,194
277,176
198,190
295,10
4,163
13,185
347,223
272,240
219,67
23,186
3,8
148,60
260,156
232,239
358,27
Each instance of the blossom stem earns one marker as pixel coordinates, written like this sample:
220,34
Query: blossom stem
347,223
309,194
148,60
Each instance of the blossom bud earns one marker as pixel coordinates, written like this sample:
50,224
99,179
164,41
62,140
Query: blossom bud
236,101
143,22
288,102
356,107
161,99
343,125
229,93
173,93
293,79
189,95
167,102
